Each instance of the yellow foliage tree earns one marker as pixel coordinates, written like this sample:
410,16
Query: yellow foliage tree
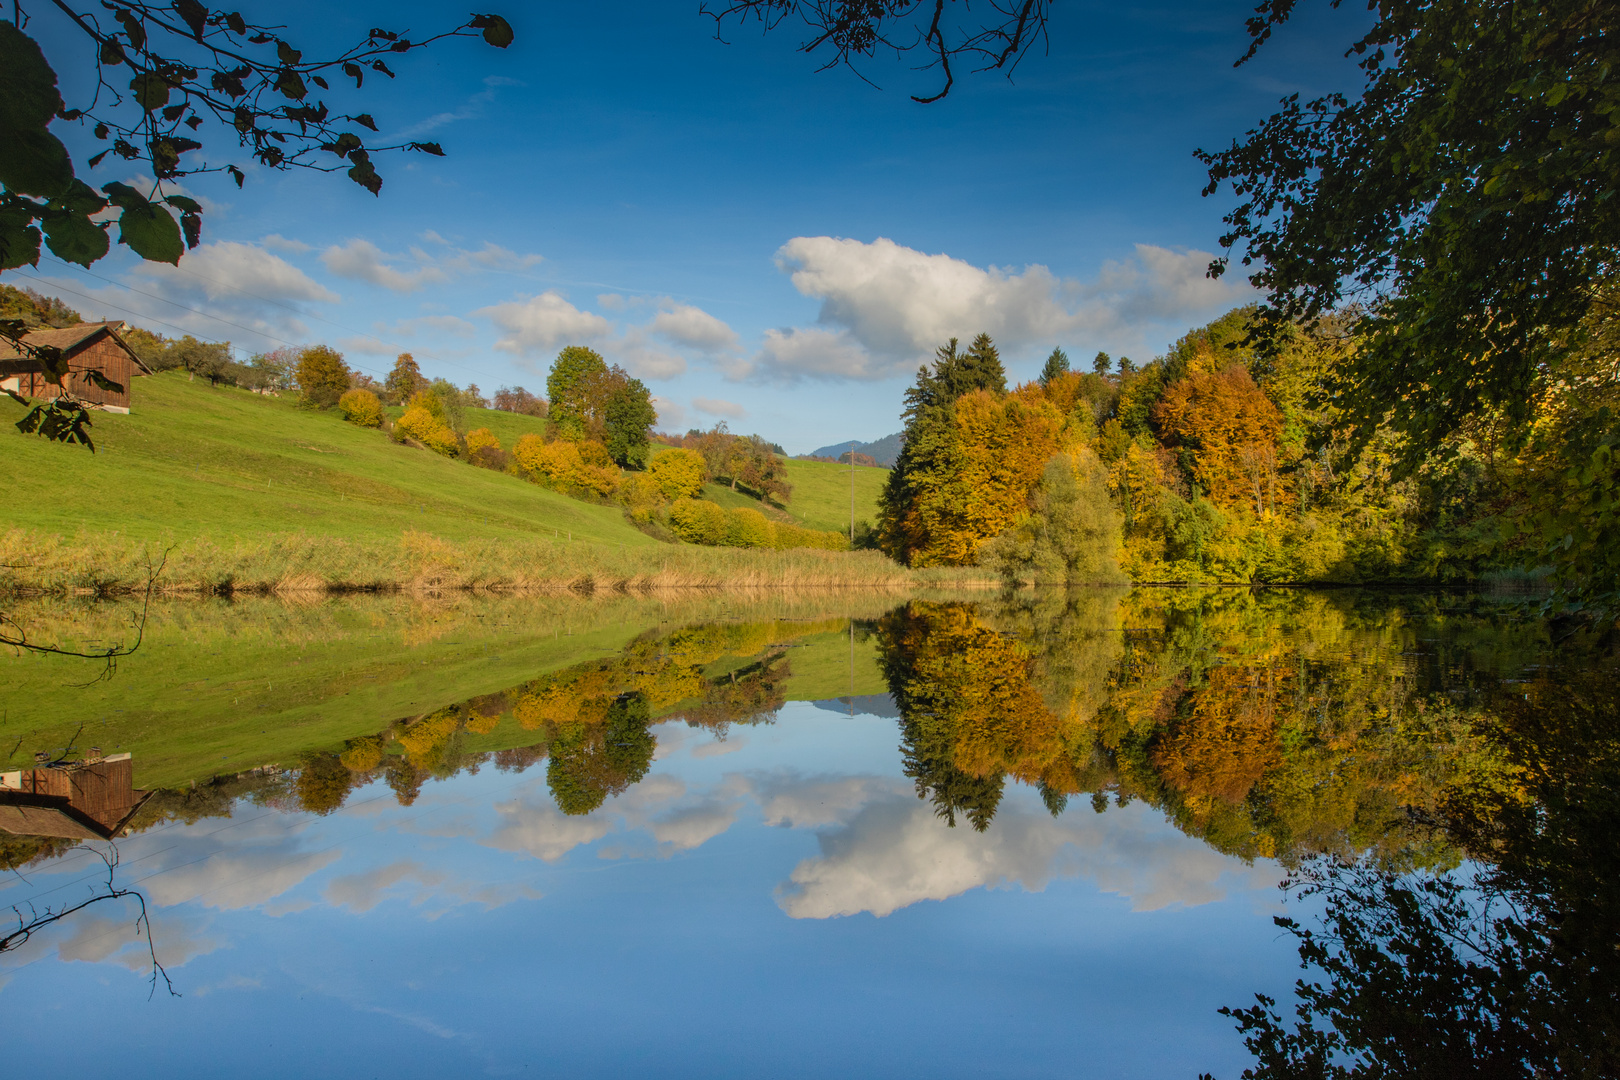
678,473
420,424
581,467
1232,429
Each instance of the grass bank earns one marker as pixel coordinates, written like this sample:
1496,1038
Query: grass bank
112,564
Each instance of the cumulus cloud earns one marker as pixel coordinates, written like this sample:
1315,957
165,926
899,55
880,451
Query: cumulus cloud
719,407
364,261
103,937
277,242
221,290
885,307
542,324
422,886
541,830
694,328
896,852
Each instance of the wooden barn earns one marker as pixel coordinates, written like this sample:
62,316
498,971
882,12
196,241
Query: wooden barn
88,347
92,799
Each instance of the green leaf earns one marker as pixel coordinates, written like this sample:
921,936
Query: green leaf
497,31
353,71
112,53
365,120
132,27
166,152
184,202
123,195
235,21
151,232
427,148
236,174
195,15
291,84
151,90
32,160
365,174
73,237
191,225
19,239
80,198
289,55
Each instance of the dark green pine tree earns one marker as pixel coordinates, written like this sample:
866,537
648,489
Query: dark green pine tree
1101,363
1056,364
928,449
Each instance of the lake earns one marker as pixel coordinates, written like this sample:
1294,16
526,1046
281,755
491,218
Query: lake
1032,835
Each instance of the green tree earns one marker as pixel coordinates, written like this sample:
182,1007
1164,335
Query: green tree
1101,363
1466,199
1072,535
322,376
589,763
1056,365
323,783
628,418
569,387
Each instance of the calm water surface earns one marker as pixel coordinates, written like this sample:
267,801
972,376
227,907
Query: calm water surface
787,838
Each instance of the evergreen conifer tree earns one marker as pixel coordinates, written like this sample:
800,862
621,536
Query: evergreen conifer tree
1056,364
1101,363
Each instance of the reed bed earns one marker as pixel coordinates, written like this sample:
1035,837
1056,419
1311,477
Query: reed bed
105,564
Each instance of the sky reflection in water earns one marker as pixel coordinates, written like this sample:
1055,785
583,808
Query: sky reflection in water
775,902
686,928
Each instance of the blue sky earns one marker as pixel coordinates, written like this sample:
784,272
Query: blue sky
763,243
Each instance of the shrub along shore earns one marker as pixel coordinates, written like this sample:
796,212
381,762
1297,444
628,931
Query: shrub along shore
106,564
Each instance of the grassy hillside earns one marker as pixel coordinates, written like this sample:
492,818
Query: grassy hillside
821,493
191,460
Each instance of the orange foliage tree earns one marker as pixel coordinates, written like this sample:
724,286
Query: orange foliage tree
1231,428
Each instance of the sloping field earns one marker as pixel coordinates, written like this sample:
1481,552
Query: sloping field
821,493
194,460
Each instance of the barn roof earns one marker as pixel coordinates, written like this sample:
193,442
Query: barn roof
69,338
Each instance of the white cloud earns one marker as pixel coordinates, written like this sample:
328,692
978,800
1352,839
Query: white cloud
671,415
363,891
541,830
885,307
694,328
444,324
896,852
642,360
541,324
826,354
227,270
719,407
277,242
364,261
370,346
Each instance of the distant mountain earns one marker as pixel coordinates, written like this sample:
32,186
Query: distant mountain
884,451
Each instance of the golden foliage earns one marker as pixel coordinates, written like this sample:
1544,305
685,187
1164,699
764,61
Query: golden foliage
1234,428
581,466
361,407
420,424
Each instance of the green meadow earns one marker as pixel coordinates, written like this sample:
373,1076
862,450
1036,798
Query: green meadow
821,493
193,460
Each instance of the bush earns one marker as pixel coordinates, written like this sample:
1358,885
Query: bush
697,522
361,407
420,424
678,473
797,536
748,529
580,467
484,449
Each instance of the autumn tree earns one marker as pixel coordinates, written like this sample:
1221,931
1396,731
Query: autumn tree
589,763
405,379
322,376
1230,429
515,399
1072,533
931,448
323,783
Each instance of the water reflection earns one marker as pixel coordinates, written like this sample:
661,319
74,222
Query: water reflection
1176,750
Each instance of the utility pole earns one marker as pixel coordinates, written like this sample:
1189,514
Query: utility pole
852,496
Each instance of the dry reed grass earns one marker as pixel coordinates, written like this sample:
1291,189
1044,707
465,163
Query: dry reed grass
105,564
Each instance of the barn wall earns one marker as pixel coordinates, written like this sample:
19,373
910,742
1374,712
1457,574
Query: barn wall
102,354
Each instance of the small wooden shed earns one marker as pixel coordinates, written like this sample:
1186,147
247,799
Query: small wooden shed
88,347
75,800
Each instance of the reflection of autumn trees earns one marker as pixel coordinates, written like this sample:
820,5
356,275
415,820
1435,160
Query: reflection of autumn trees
1266,724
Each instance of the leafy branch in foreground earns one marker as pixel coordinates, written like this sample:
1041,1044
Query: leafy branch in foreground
30,920
1464,205
854,29
161,73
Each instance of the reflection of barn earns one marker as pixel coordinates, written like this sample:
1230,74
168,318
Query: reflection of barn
76,800
87,347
